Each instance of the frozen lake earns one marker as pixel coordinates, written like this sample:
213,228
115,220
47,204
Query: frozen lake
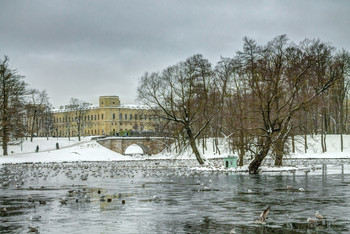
173,200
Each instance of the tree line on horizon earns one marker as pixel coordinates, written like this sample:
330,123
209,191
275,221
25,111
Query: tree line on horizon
259,99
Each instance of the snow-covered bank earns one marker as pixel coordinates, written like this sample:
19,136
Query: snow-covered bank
89,150
26,146
261,169
84,151
314,149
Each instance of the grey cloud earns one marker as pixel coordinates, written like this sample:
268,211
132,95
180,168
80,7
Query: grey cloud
103,47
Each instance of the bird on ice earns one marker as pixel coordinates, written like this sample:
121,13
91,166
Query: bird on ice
319,216
35,218
310,220
63,201
263,215
33,229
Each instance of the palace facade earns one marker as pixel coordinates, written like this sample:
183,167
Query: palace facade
108,118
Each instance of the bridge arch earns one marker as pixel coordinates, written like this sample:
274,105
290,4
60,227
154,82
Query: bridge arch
144,148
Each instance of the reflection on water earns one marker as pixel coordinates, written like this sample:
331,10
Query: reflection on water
173,200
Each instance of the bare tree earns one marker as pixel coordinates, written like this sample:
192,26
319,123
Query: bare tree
185,93
78,109
277,74
38,100
47,118
12,91
341,69
67,120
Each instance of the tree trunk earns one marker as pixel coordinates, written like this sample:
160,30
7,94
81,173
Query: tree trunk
194,146
341,126
323,150
305,143
278,152
33,126
241,150
322,130
79,131
345,128
341,142
5,140
203,145
255,164
217,145
241,156
5,132
293,144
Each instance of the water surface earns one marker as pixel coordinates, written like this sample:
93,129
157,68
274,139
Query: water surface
168,200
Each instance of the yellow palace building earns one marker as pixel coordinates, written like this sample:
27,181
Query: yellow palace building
108,118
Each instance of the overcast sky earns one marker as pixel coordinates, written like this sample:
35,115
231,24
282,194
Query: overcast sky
85,49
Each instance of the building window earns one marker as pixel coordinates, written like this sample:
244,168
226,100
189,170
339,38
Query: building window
113,116
145,117
135,117
88,117
98,116
130,116
92,117
120,116
126,116
95,117
101,116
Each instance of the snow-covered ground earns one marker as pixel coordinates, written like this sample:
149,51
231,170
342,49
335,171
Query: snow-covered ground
90,150
26,146
315,149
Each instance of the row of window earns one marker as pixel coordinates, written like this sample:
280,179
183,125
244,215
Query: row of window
87,133
70,119
133,123
97,117
135,116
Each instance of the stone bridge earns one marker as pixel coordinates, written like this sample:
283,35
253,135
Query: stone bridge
149,145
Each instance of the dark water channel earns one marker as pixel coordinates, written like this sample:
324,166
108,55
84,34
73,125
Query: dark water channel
173,200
